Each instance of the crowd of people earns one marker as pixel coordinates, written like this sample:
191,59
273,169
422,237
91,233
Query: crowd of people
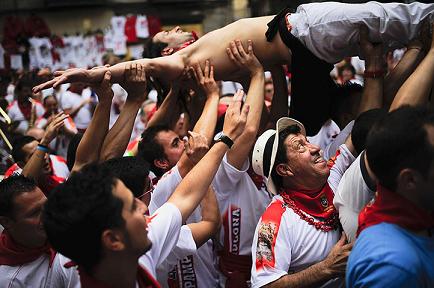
158,173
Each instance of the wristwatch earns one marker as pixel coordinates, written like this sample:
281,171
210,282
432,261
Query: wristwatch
221,137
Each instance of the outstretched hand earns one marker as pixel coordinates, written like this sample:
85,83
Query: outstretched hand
67,76
205,79
336,261
104,89
196,146
53,128
371,52
235,118
241,58
135,82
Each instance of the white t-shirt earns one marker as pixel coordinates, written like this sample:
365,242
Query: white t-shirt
355,190
39,274
241,204
15,114
142,28
71,100
330,30
164,230
198,269
284,243
325,135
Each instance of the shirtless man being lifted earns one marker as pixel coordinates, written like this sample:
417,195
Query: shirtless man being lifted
318,35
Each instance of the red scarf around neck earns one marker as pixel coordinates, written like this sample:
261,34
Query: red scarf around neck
395,209
13,254
26,109
318,204
144,278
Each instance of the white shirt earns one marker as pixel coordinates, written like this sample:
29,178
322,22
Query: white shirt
15,114
330,30
284,243
71,100
325,135
193,268
352,195
163,231
39,274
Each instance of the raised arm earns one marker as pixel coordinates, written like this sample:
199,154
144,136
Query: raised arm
279,104
195,184
255,99
205,229
35,166
417,88
90,145
116,141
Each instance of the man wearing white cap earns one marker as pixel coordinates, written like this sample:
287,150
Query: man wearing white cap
297,238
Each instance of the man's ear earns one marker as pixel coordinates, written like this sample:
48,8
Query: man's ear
113,240
167,51
5,222
408,179
161,163
284,170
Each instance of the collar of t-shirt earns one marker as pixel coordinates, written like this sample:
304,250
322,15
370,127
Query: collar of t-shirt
144,279
13,254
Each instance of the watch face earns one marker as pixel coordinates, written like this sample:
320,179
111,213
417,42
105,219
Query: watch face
218,135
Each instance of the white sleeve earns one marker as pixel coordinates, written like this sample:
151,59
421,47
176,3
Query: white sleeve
271,248
227,177
64,277
164,230
352,195
341,164
184,247
332,147
40,110
164,189
67,102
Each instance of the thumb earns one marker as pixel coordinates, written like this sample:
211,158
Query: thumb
245,111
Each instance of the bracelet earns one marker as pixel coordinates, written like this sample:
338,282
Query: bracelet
374,74
43,148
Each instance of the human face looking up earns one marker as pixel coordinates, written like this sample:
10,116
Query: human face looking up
174,37
309,169
173,146
50,105
133,213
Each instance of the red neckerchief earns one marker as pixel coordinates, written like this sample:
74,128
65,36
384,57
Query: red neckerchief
395,209
318,204
13,254
144,278
188,43
26,109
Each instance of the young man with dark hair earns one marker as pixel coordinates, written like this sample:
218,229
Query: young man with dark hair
395,230
312,52
25,256
95,201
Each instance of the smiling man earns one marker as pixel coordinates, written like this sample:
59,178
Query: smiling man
297,238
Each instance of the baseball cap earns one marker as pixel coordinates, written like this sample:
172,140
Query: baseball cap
265,150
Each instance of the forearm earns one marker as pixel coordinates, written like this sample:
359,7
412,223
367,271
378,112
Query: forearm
117,139
195,184
90,145
416,89
34,167
372,96
208,119
394,80
165,109
73,111
312,276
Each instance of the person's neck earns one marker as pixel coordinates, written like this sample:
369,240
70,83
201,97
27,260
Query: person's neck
118,272
294,185
27,241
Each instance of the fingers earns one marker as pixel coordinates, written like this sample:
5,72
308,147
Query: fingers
250,47
45,85
236,101
240,48
198,73
206,72
343,239
211,72
245,113
58,73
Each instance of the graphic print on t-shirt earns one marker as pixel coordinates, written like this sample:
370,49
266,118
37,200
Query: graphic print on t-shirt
183,274
232,226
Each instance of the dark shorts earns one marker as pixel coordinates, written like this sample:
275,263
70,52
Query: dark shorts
312,88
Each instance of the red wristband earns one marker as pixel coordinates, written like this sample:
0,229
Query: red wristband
374,74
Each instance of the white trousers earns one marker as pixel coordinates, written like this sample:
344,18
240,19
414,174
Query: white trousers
331,29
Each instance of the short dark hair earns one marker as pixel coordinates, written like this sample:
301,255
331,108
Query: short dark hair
153,49
79,210
132,171
281,153
10,188
362,125
346,99
150,149
18,144
398,141
72,150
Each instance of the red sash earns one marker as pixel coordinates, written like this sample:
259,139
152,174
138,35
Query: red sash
395,209
318,204
144,278
13,254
